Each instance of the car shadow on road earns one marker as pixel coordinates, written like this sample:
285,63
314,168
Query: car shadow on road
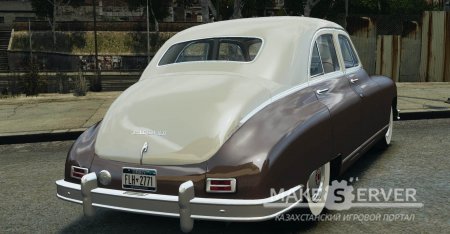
109,221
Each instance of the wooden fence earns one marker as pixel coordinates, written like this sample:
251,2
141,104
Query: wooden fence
419,54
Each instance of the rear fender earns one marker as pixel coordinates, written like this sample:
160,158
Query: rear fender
277,148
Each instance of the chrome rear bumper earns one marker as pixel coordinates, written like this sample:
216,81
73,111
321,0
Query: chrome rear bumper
185,206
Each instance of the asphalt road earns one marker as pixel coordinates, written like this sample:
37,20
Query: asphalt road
418,159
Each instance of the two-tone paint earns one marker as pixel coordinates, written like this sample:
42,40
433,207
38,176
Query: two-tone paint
267,123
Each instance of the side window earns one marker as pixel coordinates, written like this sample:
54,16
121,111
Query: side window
316,64
230,52
327,53
253,49
194,52
348,53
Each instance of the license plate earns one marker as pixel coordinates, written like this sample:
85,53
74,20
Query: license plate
139,179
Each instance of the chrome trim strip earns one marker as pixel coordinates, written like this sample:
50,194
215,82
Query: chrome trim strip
247,219
69,185
287,92
363,145
137,211
200,207
69,199
245,202
200,217
197,200
272,100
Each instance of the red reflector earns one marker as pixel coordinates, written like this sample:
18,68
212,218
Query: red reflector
76,169
220,185
78,172
217,188
220,182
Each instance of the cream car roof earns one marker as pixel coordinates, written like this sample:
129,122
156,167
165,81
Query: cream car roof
283,57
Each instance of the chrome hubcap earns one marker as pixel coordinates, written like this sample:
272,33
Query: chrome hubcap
316,184
388,135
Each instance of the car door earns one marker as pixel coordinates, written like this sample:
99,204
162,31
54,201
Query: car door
332,88
372,114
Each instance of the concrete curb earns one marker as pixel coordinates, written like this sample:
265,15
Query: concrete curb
424,115
65,135
21,138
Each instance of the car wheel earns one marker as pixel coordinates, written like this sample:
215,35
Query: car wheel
386,140
317,189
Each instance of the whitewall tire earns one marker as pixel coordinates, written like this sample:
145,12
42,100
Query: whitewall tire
386,140
317,189
388,135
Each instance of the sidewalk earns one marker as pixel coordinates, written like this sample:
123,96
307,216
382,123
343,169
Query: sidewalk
423,97
63,116
51,115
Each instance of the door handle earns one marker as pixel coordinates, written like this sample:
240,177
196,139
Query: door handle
321,91
353,80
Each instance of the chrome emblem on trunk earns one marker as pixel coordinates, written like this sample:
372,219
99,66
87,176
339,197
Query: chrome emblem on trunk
143,150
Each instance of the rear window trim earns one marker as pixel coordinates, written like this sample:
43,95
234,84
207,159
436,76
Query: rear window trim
213,61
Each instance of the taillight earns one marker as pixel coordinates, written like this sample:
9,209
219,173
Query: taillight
219,185
78,172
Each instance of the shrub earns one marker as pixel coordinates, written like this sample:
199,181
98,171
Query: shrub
80,86
62,82
32,81
13,88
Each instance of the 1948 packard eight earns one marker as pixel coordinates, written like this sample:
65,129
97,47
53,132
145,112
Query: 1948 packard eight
225,114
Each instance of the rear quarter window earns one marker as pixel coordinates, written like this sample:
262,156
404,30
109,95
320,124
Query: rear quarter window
348,54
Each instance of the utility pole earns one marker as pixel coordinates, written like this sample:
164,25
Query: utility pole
54,24
148,35
346,13
219,17
97,84
31,47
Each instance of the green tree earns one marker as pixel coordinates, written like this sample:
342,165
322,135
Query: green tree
159,8
252,8
47,9
225,9
388,6
309,5
293,7
331,8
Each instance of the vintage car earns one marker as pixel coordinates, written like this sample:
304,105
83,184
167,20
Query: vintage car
227,113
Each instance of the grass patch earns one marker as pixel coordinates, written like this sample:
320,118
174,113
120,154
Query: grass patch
111,43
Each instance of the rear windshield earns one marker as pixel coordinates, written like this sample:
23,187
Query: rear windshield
239,49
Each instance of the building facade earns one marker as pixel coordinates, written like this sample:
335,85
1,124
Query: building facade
15,10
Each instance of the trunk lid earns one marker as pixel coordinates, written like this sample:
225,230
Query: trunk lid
177,119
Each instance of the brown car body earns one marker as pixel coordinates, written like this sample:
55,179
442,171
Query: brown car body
327,128
333,120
